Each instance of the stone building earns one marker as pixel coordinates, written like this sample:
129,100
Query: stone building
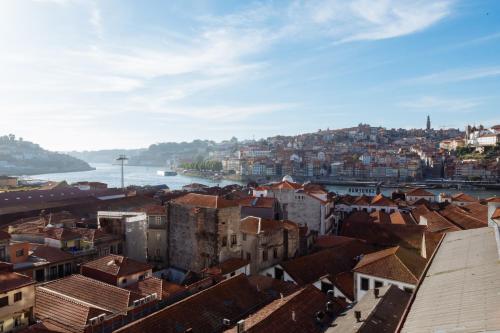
203,231
307,205
265,243
157,235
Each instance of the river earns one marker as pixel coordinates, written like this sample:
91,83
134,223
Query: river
140,175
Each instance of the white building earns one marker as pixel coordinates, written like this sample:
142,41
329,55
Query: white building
394,266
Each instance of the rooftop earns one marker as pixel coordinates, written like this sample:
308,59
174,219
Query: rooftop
204,201
459,292
117,265
257,225
378,314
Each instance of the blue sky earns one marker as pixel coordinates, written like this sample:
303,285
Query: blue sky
83,74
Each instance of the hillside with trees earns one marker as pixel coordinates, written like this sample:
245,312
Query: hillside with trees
20,157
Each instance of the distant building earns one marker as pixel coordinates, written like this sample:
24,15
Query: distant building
428,125
7,181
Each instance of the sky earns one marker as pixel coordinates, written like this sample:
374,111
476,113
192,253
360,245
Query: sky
100,74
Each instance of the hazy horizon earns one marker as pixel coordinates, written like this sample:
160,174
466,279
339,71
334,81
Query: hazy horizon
90,75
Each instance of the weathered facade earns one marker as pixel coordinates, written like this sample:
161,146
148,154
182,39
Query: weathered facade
203,231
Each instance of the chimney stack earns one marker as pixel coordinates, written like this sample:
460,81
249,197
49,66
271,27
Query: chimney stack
357,314
376,292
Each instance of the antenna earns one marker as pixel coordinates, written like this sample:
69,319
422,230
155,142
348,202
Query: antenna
122,159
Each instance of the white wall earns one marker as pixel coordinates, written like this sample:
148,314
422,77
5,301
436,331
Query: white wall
271,272
360,293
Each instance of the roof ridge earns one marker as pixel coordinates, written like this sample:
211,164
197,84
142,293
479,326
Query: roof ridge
378,259
407,269
71,299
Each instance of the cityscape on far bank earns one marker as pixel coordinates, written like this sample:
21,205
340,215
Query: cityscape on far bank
210,166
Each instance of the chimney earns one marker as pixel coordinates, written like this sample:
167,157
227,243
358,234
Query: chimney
226,322
240,326
293,315
330,294
357,314
376,292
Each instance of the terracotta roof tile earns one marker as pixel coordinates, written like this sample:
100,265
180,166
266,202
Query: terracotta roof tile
496,214
205,201
295,313
437,223
461,218
345,283
419,192
462,197
10,281
380,200
256,225
259,202
117,265
310,268
231,299
162,288
49,253
396,263
402,218
99,294
65,312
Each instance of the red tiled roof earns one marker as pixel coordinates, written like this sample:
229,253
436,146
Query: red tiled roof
97,293
496,214
310,268
419,211
462,197
118,265
231,299
272,286
285,185
162,288
380,217
291,314
260,202
419,192
205,201
380,200
437,223
65,312
331,241
345,283
154,210
476,210
10,281
62,234
385,234
256,225
402,218
362,200
396,263
48,253
461,218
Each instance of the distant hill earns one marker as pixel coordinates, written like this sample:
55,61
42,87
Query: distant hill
19,157
105,156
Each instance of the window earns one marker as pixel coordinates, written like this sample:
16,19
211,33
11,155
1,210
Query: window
378,284
124,281
20,253
17,321
1,326
4,301
158,237
224,241
67,268
244,236
249,256
275,253
233,240
157,252
365,283
408,290
53,272
40,275
264,255
18,296
325,286
158,220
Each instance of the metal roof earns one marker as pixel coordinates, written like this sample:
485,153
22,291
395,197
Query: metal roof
461,289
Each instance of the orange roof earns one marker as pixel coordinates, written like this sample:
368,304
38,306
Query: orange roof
463,219
396,263
402,218
419,192
65,312
462,197
331,241
259,202
380,200
49,253
231,299
293,313
204,201
496,214
437,223
257,225
150,285
10,281
96,293
118,265
380,217
285,185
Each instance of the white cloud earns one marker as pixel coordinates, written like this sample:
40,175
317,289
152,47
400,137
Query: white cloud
457,75
433,103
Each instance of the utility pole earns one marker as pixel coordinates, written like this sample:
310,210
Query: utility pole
122,159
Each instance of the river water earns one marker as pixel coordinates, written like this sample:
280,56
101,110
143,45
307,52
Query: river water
140,175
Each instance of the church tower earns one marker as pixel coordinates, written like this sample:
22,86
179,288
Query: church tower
428,122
